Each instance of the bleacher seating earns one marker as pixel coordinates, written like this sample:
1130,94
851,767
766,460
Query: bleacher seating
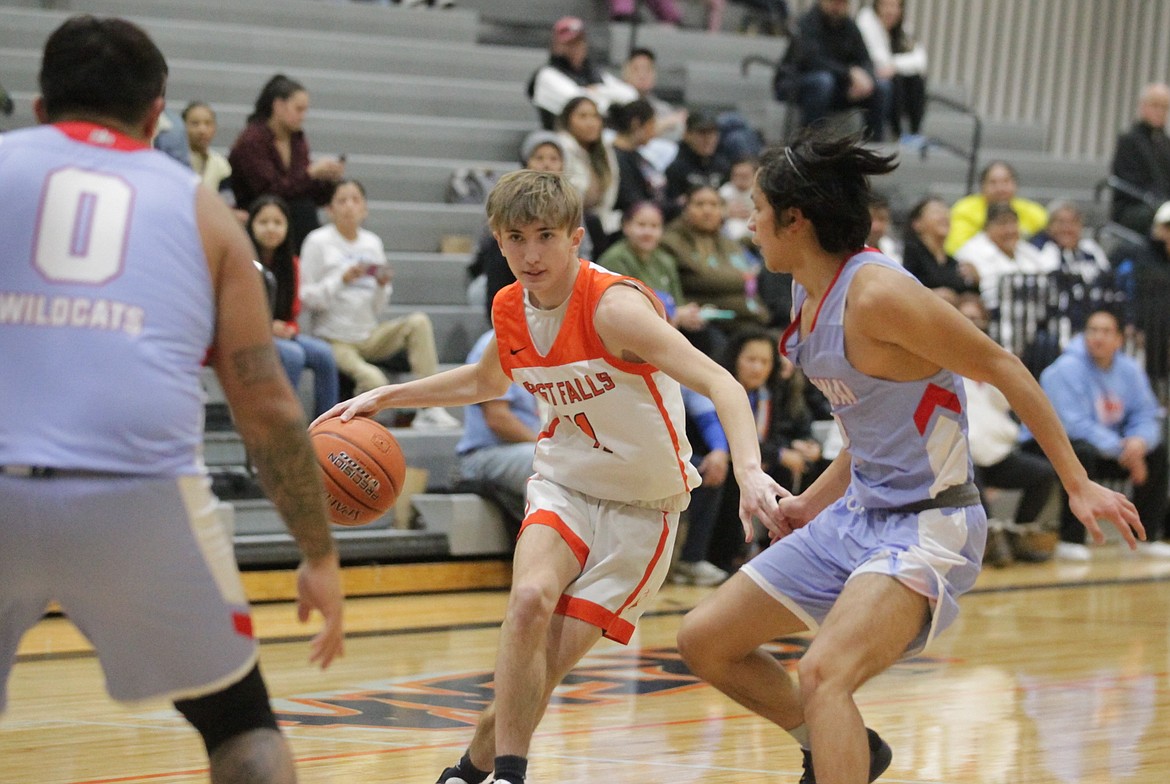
410,95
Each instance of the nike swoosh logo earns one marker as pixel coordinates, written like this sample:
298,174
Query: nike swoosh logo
516,351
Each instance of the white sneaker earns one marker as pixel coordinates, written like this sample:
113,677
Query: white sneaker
435,419
703,573
1153,549
1071,551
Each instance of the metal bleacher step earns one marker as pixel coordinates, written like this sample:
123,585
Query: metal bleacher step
470,524
429,278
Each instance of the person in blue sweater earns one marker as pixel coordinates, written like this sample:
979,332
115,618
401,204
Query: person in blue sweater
1115,424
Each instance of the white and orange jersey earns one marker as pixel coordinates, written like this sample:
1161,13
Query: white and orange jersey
616,429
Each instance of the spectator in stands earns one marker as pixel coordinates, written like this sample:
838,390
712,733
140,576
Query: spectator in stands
997,185
638,179
765,17
591,166
641,72
267,225
714,545
737,198
1105,401
697,162
570,73
879,227
665,11
499,440
714,270
171,137
924,253
211,166
271,156
346,286
1143,275
998,251
994,436
900,59
1064,246
1142,161
639,255
827,68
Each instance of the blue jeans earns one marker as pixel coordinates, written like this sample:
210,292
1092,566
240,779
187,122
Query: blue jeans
302,352
818,95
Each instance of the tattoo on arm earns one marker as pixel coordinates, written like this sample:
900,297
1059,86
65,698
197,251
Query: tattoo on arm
256,364
289,473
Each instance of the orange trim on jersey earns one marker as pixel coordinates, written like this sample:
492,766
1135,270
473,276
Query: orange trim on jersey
662,539
674,442
99,136
552,428
554,521
612,627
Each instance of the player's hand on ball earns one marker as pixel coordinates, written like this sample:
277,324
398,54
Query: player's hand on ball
365,404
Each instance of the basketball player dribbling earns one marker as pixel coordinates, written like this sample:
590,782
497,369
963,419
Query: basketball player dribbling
612,466
119,275
875,551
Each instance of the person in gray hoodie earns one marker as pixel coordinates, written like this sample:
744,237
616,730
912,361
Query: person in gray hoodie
1115,424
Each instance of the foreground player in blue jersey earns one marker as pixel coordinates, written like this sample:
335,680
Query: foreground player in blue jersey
119,275
874,553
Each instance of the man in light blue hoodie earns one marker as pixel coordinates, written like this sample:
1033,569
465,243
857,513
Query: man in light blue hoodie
1114,422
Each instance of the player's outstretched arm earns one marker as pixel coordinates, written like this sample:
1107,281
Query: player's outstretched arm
269,417
899,312
461,386
631,329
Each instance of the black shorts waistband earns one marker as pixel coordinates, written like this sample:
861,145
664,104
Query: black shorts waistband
50,472
966,494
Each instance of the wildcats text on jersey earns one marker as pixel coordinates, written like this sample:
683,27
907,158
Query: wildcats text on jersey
836,390
37,310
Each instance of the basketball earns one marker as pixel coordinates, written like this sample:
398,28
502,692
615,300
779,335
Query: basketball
363,468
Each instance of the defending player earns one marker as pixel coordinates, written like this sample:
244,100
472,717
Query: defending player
883,543
118,274
612,465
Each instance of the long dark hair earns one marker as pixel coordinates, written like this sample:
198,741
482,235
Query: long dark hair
826,177
900,40
598,160
282,257
278,87
750,335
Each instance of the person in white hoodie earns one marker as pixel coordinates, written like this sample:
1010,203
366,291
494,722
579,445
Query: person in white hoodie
898,57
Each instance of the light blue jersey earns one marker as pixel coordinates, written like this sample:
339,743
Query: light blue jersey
106,305
908,439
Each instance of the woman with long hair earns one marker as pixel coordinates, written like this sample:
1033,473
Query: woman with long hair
592,168
271,156
268,226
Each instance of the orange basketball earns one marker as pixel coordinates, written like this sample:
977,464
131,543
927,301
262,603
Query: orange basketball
364,468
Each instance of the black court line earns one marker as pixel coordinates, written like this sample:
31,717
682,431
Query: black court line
663,613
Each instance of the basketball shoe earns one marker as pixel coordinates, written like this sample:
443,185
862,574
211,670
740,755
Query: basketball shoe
880,756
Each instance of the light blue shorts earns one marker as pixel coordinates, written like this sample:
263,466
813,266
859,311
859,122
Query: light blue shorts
936,553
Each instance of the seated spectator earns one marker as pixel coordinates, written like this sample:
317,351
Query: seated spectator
570,73
1064,246
997,251
924,254
1105,401
714,270
1142,160
997,185
764,17
170,137
499,439
665,11
267,225
994,436
639,255
346,286
737,198
1143,275
212,167
641,72
900,59
714,543
697,162
638,180
879,228
271,156
827,68
591,166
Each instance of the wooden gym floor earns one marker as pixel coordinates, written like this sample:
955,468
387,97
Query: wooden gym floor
1054,673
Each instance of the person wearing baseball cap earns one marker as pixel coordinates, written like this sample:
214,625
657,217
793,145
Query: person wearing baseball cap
570,73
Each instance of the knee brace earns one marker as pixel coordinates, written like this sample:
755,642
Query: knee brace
241,707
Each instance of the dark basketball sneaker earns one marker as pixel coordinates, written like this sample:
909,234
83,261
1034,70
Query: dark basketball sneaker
880,756
451,776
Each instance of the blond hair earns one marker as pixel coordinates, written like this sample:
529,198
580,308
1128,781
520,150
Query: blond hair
525,196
